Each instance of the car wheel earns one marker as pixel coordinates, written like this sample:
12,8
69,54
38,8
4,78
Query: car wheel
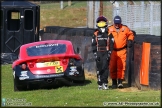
18,87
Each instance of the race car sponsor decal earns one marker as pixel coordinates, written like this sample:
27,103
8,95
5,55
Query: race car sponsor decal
23,78
23,75
73,68
46,45
47,76
74,73
55,63
59,69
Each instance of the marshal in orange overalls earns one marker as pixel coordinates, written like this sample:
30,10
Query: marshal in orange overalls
118,56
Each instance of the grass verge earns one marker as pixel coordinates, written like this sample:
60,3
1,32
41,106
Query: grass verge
83,95
70,16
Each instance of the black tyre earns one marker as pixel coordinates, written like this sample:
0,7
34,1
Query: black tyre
19,87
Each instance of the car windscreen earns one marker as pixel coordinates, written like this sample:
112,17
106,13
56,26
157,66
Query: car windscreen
46,49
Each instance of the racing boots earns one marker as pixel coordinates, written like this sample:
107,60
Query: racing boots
99,87
105,86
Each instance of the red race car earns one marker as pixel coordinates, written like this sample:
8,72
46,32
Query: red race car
46,62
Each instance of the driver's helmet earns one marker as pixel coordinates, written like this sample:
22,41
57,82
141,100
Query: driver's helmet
101,22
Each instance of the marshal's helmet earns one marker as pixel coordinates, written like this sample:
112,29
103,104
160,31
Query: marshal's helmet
117,20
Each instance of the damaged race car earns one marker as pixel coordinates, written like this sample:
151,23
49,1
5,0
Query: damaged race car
45,62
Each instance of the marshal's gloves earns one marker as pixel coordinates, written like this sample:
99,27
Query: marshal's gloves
130,43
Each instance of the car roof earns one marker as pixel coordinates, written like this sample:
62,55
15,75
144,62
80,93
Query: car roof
23,53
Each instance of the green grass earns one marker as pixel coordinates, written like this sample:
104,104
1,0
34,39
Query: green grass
70,16
62,17
74,4
85,95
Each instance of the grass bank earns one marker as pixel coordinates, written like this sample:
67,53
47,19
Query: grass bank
70,16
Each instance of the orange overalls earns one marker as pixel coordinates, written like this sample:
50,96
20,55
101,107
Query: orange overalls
118,56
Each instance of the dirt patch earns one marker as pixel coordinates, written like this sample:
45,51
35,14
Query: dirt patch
93,76
90,76
130,89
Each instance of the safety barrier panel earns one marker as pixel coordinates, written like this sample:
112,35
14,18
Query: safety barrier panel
153,75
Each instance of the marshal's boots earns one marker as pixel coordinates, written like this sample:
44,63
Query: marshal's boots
114,83
120,85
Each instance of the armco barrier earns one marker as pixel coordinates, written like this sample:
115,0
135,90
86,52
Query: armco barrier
81,38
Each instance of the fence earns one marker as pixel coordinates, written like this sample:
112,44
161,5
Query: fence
142,18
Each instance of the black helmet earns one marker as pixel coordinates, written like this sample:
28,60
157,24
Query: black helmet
101,18
101,21
117,20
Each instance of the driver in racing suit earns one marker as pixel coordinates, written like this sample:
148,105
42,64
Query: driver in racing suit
102,46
